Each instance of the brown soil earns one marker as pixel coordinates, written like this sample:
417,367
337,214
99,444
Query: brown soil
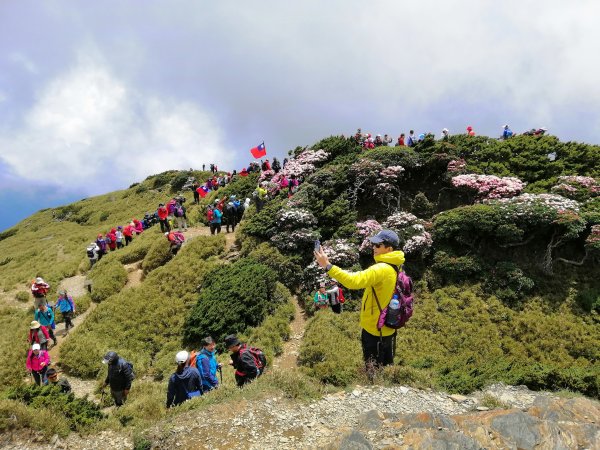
291,349
135,274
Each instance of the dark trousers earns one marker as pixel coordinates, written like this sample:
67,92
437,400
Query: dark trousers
215,228
196,197
67,316
337,308
40,377
128,239
164,225
377,351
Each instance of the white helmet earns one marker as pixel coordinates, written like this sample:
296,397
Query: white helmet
182,357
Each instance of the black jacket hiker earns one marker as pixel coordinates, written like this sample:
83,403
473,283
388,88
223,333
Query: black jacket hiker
245,366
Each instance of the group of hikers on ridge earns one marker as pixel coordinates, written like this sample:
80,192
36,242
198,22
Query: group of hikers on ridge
366,140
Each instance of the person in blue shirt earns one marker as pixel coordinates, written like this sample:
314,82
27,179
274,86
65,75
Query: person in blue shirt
45,316
66,306
207,364
215,224
507,133
185,383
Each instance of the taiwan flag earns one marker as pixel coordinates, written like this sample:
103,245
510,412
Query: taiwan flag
202,190
259,152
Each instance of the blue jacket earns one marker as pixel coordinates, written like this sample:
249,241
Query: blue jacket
183,386
217,214
207,365
46,319
65,305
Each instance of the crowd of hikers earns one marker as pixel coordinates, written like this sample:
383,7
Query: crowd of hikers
366,140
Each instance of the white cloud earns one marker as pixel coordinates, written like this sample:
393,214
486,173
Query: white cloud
24,62
90,131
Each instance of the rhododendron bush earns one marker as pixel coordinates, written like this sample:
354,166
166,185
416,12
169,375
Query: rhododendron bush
341,252
295,218
489,186
577,187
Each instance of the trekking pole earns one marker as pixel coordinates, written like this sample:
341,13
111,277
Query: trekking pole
221,374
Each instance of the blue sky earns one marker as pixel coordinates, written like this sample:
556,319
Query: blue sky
97,95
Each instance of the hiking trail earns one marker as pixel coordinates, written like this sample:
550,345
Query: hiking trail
291,348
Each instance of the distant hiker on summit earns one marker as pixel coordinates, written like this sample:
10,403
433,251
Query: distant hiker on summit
379,283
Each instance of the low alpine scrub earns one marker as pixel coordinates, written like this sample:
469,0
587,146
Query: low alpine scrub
108,277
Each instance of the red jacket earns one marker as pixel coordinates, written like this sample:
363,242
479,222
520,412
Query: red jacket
162,213
127,231
33,337
39,289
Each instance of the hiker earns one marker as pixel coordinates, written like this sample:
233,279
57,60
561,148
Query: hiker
195,186
119,236
387,140
285,161
163,215
276,166
230,214
207,365
445,134
128,234
379,283
400,142
215,222
39,289
293,185
203,167
176,240
66,306
470,131
111,238
54,380
38,334
179,213
119,377
185,383
101,243
321,300
335,297
92,252
506,132
137,227
412,139
249,362
261,195
37,363
45,317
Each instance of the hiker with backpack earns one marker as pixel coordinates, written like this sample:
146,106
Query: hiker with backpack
101,243
137,227
119,237
215,221
45,317
163,216
37,364
336,297
111,239
321,300
38,334
249,362
128,234
39,289
176,240
207,365
66,306
92,252
179,213
379,283
184,383
119,377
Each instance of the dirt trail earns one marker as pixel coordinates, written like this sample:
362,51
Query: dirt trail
135,274
291,349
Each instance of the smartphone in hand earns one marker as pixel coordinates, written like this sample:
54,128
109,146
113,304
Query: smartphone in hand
317,245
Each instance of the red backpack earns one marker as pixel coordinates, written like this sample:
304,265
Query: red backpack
257,354
341,297
210,215
193,356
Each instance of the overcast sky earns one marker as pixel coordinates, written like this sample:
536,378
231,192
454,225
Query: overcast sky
97,95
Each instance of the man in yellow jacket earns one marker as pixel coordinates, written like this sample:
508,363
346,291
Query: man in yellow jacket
379,279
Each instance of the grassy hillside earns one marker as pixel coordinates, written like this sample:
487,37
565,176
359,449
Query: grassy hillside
502,240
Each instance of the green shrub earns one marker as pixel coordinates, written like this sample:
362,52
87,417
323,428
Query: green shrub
108,277
508,282
456,268
330,350
232,298
287,268
158,255
8,233
22,296
14,324
79,412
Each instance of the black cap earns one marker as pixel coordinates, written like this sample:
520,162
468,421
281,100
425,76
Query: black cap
231,340
110,358
51,372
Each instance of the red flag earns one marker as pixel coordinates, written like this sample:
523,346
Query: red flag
259,151
202,190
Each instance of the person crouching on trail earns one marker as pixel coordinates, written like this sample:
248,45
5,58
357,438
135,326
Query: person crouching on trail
379,283
176,240
248,362
185,383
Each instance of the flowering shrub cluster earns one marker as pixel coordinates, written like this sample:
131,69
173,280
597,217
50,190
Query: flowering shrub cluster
341,252
289,219
419,243
457,165
489,186
400,220
527,206
292,240
392,173
305,163
366,170
593,240
577,187
365,230
266,175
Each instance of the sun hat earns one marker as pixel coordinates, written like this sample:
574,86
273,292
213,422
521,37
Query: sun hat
36,346
34,324
39,280
387,236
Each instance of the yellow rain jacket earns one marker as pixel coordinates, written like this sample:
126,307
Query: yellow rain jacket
382,278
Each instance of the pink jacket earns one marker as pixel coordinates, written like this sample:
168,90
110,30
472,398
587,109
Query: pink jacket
37,363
